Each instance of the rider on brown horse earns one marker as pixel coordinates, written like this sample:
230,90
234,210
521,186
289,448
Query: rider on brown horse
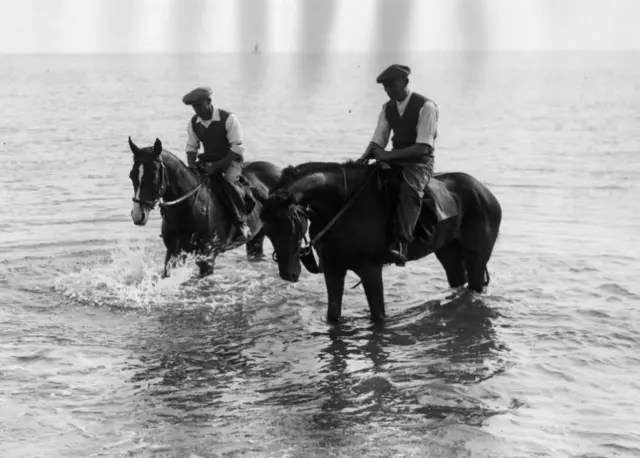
413,119
219,133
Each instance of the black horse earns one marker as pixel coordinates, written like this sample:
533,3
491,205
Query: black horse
351,209
193,220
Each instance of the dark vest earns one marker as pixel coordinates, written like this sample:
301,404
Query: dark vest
405,127
213,138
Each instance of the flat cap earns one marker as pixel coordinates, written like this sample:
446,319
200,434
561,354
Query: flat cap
393,72
198,94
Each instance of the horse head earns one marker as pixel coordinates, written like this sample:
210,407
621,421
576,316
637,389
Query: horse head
301,191
285,223
148,177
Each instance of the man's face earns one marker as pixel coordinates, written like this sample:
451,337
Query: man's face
396,88
203,108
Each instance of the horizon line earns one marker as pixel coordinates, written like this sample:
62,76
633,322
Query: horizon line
371,53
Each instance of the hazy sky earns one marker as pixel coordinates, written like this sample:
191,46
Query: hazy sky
43,26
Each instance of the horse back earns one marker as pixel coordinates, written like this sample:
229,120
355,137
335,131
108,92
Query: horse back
265,172
469,189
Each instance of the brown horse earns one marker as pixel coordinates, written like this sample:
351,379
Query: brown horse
193,220
350,214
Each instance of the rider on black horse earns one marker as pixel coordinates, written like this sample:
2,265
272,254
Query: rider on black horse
219,132
413,119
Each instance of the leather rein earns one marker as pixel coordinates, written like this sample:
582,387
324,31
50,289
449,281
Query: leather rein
306,252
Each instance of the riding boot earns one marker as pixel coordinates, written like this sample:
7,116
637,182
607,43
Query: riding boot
414,181
235,197
408,211
429,222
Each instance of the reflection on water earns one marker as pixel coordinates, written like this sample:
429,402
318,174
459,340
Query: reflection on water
205,366
193,360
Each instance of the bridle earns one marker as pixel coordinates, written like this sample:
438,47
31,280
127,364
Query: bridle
161,189
299,221
300,213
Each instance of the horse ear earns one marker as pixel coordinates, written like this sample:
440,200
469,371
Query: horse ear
157,147
134,149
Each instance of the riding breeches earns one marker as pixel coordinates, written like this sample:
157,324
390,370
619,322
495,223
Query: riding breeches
415,178
233,194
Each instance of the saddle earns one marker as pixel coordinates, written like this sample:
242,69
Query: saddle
437,203
250,194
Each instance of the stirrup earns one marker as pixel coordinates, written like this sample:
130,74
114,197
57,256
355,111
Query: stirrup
396,256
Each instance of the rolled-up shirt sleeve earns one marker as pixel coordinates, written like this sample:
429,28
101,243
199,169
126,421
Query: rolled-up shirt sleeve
383,130
427,124
234,134
193,143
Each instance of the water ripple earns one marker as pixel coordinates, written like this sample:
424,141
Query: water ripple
99,356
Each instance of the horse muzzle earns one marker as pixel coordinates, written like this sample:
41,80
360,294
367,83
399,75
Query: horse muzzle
140,214
293,278
290,273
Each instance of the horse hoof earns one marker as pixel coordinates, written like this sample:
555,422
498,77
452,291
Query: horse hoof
256,257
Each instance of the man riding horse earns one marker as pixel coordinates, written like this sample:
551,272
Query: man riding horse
413,119
219,133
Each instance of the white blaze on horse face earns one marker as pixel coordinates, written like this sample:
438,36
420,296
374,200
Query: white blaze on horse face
138,214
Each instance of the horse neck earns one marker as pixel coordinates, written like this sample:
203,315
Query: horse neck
180,179
359,226
327,192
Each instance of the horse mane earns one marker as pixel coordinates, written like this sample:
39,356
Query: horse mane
292,173
172,157
181,168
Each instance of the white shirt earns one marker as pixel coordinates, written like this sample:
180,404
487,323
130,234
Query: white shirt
427,123
234,134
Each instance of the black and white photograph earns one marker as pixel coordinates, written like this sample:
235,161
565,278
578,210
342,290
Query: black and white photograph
319,228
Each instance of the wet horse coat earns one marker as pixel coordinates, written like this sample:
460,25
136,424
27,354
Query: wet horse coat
358,239
193,220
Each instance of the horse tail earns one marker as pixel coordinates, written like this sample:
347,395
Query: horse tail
487,277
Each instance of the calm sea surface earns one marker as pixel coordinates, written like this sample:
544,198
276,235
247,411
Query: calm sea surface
99,357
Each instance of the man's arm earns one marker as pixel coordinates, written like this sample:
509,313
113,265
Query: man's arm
380,137
425,140
234,135
192,147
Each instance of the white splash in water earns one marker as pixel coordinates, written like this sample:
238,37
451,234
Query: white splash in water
129,277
